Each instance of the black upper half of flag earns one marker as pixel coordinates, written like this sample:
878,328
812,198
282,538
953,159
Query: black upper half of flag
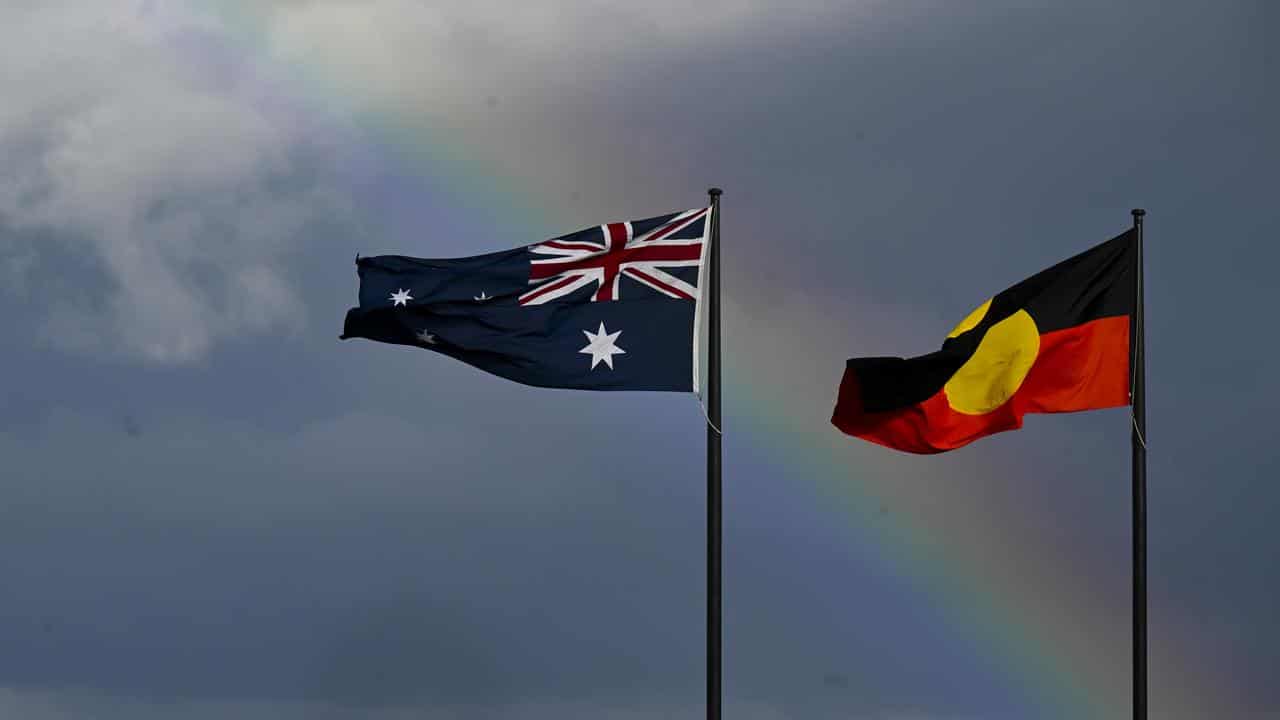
613,307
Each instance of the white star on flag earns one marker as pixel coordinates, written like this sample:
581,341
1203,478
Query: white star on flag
602,347
426,337
401,297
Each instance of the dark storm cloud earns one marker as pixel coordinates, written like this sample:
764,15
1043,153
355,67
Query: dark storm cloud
273,523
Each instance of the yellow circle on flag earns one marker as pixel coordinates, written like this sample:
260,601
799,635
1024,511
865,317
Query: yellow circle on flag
971,320
997,368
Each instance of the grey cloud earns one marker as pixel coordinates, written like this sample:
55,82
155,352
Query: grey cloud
309,528
367,560
73,706
49,705
112,149
151,150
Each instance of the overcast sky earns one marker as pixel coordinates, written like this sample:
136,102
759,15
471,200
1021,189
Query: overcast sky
210,507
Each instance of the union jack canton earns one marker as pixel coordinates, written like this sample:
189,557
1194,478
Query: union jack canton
575,262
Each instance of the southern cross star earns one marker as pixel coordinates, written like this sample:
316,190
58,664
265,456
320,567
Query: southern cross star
603,347
481,297
401,297
426,337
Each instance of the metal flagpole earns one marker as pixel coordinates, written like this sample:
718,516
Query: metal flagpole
1139,441
713,465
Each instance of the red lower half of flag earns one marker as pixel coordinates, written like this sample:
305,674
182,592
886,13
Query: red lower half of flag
1084,367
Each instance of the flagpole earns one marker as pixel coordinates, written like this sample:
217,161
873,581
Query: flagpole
1138,437
713,465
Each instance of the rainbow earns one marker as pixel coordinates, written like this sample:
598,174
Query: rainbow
1041,624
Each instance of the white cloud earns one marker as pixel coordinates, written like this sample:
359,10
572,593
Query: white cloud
115,147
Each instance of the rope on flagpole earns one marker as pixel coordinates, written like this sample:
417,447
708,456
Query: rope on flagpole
702,405
1139,350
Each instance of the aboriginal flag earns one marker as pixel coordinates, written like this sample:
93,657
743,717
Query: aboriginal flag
1056,342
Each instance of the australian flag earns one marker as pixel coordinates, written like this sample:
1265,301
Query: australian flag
613,307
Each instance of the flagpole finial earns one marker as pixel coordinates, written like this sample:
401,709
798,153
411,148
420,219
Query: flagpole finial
715,192
1138,212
